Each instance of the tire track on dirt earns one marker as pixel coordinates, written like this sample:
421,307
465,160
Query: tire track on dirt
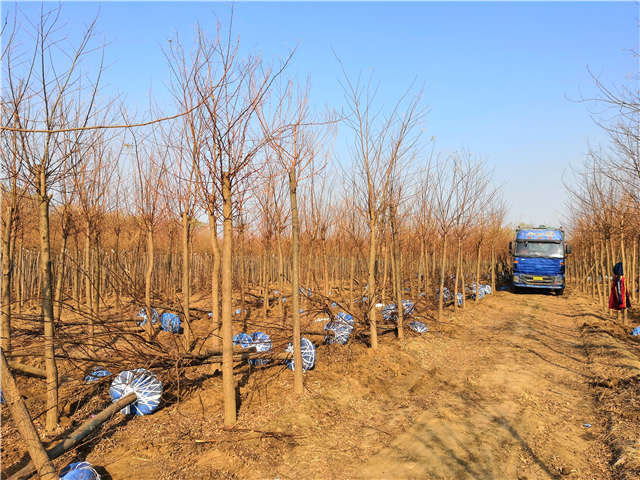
513,396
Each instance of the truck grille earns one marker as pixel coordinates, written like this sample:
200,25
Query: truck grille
546,280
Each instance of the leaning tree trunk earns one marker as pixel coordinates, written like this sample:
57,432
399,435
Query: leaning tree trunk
46,293
228,387
371,287
24,424
295,282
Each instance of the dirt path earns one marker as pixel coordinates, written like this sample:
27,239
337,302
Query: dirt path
512,398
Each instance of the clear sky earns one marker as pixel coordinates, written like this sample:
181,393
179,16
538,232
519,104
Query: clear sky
500,79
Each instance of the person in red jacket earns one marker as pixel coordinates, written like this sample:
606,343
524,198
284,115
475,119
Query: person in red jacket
619,296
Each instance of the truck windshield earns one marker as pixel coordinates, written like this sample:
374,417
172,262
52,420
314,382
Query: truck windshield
539,249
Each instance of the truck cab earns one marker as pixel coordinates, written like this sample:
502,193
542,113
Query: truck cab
539,258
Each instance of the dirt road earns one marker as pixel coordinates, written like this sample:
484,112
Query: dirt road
513,400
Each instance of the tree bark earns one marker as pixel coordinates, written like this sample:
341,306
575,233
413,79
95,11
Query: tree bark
228,385
5,300
443,264
215,283
46,295
60,279
458,266
371,288
295,282
186,280
147,282
493,268
398,275
478,272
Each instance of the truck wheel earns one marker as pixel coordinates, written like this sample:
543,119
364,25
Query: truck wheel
560,292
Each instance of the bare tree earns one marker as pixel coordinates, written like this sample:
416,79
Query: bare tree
378,144
53,95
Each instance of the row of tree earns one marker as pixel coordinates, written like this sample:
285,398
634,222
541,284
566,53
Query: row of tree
604,205
239,182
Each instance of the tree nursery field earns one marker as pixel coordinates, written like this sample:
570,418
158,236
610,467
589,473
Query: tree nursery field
239,280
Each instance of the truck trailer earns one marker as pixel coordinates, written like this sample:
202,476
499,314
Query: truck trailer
539,258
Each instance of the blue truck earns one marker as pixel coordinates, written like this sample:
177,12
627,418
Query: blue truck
539,258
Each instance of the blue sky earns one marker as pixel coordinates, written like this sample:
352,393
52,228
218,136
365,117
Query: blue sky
500,79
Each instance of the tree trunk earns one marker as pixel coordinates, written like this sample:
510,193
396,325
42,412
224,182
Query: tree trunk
280,275
398,275
295,282
242,273
603,279
371,288
228,386
87,278
95,298
325,268
634,266
24,424
46,295
215,283
493,268
626,270
147,282
186,280
478,272
352,269
443,264
60,279
393,273
5,300
458,266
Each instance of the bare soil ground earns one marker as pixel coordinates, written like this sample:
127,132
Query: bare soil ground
503,390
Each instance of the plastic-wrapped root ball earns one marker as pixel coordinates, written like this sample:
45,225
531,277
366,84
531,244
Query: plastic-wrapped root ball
407,307
389,311
418,327
446,294
144,384
262,342
242,339
142,315
305,292
170,322
96,375
460,299
79,471
636,332
341,327
308,351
